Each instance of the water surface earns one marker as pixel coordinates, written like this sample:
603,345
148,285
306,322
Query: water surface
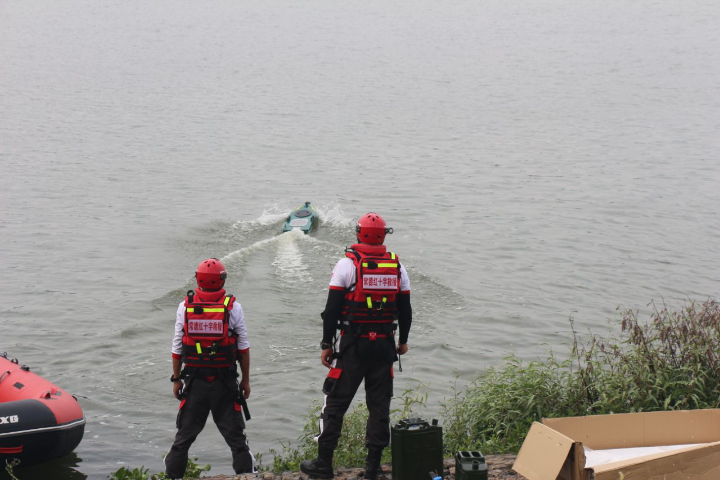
537,160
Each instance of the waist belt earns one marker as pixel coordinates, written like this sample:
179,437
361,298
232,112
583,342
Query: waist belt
363,330
373,336
209,374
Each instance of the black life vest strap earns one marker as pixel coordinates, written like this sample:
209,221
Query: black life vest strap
194,372
357,330
354,252
363,328
214,349
358,257
217,362
363,306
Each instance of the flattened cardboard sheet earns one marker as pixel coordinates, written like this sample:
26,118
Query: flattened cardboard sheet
694,463
647,429
595,458
543,453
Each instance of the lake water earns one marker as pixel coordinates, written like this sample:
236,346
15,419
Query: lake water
537,160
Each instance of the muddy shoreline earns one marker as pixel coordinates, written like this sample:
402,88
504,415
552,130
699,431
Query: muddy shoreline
499,468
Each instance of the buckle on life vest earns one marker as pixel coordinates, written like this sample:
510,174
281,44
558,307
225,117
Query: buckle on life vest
372,336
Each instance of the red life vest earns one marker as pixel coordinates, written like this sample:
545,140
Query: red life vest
207,340
377,283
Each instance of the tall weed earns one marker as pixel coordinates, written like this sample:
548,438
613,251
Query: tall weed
668,363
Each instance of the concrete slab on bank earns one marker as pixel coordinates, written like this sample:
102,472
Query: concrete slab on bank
675,445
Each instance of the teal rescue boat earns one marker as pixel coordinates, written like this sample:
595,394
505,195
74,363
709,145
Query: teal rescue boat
302,218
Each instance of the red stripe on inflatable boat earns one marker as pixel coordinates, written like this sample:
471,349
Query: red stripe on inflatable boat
11,449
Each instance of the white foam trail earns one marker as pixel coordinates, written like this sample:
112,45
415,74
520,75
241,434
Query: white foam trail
335,246
243,252
333,215
273,214
289,260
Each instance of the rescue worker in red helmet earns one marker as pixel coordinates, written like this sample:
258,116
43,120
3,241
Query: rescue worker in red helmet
369,299
210,336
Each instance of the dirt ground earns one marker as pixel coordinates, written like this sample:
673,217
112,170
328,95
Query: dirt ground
499,468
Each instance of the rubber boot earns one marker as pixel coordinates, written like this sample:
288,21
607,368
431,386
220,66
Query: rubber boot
372,463
321,467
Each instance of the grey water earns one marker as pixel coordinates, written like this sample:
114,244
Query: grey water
537,161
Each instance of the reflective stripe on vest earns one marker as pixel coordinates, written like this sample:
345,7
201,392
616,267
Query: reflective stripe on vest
199,310
370,302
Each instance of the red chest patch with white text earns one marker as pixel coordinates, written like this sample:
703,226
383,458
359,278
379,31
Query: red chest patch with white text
379,282
205,326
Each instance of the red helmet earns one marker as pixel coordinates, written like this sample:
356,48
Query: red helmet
210,274
371,229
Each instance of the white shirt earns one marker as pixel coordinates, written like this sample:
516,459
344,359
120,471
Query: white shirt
236,324
343,276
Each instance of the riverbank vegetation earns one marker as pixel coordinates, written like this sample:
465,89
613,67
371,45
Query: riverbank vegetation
670,362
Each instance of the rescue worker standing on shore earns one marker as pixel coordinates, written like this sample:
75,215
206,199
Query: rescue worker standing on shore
369,293
210,335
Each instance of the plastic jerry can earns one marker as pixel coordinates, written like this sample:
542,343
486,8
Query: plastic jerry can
417,449
470,466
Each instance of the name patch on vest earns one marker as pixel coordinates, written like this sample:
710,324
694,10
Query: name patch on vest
205,326
379,282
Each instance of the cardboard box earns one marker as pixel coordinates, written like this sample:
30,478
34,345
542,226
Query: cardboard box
557,448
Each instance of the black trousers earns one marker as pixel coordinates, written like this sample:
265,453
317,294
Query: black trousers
204,397
368,360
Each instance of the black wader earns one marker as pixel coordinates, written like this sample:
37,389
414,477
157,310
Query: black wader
360,359
202,397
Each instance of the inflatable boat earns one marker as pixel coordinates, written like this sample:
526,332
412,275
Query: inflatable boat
302,218
38,421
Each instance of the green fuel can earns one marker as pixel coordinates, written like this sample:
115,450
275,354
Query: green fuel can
417,449
470,466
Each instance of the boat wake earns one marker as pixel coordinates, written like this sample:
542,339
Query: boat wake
288,262
271,215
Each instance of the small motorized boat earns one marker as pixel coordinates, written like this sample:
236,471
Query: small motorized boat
302,218
38,421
